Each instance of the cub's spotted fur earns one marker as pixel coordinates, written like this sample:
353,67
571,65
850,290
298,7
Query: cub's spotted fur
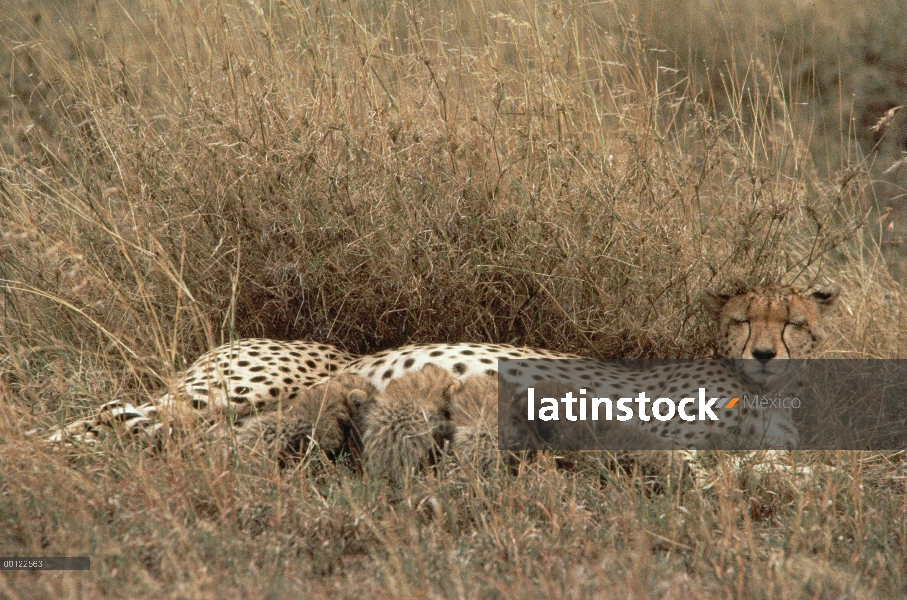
409,425
427,413
474,413
328,414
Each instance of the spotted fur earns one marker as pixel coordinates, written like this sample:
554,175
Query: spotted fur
763,326
232,381
461,361
428,413
326,416
409,425
576,435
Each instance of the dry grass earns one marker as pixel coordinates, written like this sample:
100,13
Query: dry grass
836,66
176,174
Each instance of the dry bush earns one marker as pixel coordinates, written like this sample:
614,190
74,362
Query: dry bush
173,175
371,178
387,169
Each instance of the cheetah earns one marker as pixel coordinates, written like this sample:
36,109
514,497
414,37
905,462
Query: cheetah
399,431
409,425
764,327
474,413
327,415
233,381
426,414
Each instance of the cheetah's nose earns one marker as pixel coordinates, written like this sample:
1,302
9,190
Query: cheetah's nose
764,355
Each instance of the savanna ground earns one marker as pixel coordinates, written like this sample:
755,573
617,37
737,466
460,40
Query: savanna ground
568,175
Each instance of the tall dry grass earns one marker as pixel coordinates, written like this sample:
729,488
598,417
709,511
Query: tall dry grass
177,174
838,65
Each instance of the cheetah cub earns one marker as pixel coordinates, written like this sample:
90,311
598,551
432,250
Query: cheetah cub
327,416
428,413
409,426
475,418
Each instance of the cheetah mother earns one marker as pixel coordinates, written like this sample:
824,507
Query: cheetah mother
764,325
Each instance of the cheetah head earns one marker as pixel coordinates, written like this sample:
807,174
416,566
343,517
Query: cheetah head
409,425
330,413
768,324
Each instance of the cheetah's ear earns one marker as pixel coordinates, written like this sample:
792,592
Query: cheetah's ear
825,296
356,398
714,302
452,389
